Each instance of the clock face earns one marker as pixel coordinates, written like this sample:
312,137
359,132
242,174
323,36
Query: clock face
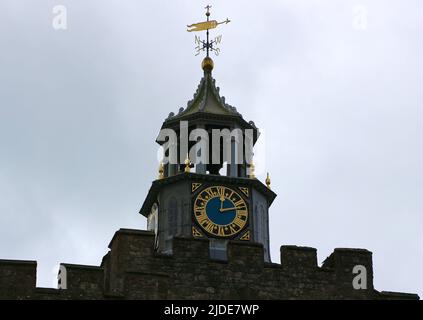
220,211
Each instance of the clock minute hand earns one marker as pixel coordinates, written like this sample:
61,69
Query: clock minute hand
227,209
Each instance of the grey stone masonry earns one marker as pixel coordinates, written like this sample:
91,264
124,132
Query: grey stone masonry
133,270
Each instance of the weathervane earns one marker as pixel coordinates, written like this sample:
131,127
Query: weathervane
206,25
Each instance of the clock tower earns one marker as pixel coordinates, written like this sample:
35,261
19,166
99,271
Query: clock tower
206,187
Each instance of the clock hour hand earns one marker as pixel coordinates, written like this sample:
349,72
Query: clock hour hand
222,200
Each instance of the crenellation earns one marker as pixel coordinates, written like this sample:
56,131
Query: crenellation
298,257
246,255
347,264
84,278
17,278
133,270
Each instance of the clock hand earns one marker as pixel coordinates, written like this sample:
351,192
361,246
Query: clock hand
228,209
222,199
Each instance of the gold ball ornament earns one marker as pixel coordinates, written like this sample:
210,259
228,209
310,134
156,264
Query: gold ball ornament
207,64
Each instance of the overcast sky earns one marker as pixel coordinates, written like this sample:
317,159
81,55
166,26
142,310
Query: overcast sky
336,85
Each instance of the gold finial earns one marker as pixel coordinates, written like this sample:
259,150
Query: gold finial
187,164
268,181
252,168
161,171
207,64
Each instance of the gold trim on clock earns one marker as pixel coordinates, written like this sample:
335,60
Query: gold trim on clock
195,186
245,191
245,236
196,233
220,211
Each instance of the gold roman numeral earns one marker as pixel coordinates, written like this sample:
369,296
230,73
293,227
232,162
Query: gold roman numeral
210,193
209,227
240,205
239,222
221,231
202,219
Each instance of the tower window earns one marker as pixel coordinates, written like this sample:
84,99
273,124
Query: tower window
218,249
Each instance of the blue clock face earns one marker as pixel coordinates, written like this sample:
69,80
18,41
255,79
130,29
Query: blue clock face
220,211
213,211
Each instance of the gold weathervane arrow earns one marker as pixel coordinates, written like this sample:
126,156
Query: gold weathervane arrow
206,25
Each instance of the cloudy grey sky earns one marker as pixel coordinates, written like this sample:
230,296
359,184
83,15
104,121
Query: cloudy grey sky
340,100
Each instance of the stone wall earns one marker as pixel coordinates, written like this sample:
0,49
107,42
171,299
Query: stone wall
133,270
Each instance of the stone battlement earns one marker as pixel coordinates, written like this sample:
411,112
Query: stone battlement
133,270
